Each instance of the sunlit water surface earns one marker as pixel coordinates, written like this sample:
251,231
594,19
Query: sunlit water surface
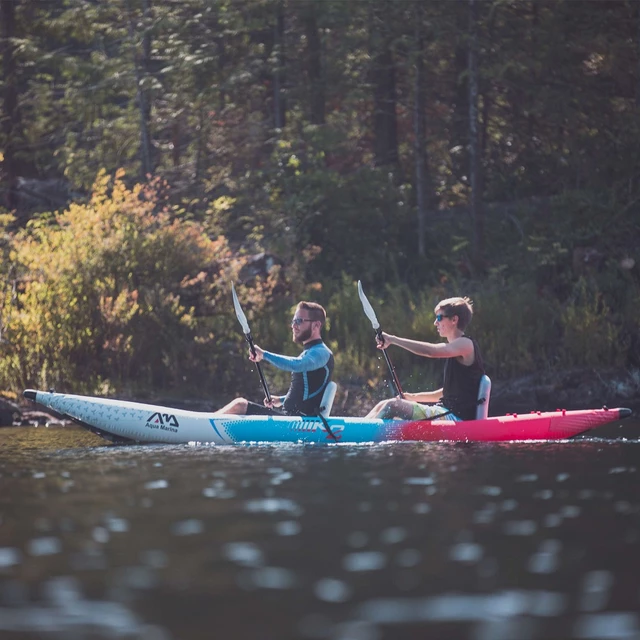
395,541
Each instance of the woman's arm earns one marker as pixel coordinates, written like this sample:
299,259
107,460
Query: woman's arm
459,347
424,396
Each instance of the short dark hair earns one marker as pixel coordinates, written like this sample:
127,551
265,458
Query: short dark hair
461,307
316,311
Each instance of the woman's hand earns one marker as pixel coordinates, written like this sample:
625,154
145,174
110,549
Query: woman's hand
384,340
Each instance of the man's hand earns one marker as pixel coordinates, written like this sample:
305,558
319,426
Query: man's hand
259,354
274,403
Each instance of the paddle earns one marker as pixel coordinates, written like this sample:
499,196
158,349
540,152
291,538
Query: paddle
242,319
371,314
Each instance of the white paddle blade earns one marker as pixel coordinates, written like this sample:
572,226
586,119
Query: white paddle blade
242,319
368,309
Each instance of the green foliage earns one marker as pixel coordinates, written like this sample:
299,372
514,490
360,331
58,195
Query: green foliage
591,335
115,292
517,328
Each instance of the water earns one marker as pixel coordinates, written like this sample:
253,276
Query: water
449,541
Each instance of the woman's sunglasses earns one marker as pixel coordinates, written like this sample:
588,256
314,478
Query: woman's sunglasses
440,317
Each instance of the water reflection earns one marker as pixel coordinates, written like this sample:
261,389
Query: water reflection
533,540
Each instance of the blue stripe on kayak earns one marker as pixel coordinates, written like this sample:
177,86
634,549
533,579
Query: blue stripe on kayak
213,424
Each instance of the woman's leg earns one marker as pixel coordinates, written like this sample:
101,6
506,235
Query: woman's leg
394,408
377,409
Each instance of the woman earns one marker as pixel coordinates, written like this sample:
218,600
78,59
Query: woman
457,399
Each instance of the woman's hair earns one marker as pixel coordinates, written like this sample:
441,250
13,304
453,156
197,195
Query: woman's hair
461,307
316,311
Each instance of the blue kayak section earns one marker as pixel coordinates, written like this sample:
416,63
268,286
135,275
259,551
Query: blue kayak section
282,429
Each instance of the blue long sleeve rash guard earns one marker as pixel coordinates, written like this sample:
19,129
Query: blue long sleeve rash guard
310,373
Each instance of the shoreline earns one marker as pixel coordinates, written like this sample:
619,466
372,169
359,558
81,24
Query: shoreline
570,390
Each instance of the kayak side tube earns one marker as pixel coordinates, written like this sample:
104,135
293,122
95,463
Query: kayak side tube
125,421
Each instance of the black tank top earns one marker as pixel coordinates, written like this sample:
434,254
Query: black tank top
461,382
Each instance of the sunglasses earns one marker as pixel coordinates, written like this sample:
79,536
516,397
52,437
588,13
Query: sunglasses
440,317
298,321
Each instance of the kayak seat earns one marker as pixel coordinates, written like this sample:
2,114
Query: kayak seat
484,392
327,399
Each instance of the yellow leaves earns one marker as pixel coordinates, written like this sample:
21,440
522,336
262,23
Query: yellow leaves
310,252
224,203
6,219
120,309
117,288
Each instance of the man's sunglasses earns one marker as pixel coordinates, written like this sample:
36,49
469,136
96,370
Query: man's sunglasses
298,321
440,317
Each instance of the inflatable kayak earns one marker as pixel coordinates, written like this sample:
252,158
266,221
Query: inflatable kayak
124,421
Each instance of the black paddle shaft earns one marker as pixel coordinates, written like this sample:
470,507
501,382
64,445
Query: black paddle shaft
392,371
249,339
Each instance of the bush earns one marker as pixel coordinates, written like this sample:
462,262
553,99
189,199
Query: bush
116,293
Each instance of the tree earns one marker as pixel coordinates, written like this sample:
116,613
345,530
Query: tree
474,153
12,160
383,80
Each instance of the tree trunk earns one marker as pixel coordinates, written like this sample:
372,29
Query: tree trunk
141,98
474,160
385,125
419,132
460,115
279,103
314,65
638,56
11,117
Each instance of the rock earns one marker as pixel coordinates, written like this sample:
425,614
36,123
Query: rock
9,413
572,389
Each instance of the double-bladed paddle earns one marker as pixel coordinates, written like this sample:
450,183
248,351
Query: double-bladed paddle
242,319
371,314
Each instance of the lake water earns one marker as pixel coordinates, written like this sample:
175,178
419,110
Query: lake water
387,542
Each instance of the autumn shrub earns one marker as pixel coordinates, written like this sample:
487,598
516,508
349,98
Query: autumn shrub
118,294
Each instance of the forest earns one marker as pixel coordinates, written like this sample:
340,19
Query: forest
152,153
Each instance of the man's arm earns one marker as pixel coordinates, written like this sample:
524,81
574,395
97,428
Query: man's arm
308,360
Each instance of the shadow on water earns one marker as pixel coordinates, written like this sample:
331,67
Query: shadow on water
396,541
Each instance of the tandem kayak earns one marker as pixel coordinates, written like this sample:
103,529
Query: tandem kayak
133,422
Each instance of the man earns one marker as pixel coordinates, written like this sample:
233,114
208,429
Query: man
310,371
457,400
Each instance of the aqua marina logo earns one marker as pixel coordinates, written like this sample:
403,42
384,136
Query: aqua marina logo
166,421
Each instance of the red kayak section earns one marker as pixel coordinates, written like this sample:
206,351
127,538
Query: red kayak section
552,425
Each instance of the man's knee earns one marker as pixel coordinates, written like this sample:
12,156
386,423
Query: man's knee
240,405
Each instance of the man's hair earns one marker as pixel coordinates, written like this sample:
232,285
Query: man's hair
461,307
316,311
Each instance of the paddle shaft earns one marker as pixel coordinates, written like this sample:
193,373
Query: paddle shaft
394,378
249,339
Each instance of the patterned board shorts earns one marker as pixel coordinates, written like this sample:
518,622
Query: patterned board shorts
429,411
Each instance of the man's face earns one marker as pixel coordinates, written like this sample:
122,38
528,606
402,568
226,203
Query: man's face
301,326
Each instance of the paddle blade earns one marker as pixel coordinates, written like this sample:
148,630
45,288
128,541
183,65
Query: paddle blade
242,319
368,309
